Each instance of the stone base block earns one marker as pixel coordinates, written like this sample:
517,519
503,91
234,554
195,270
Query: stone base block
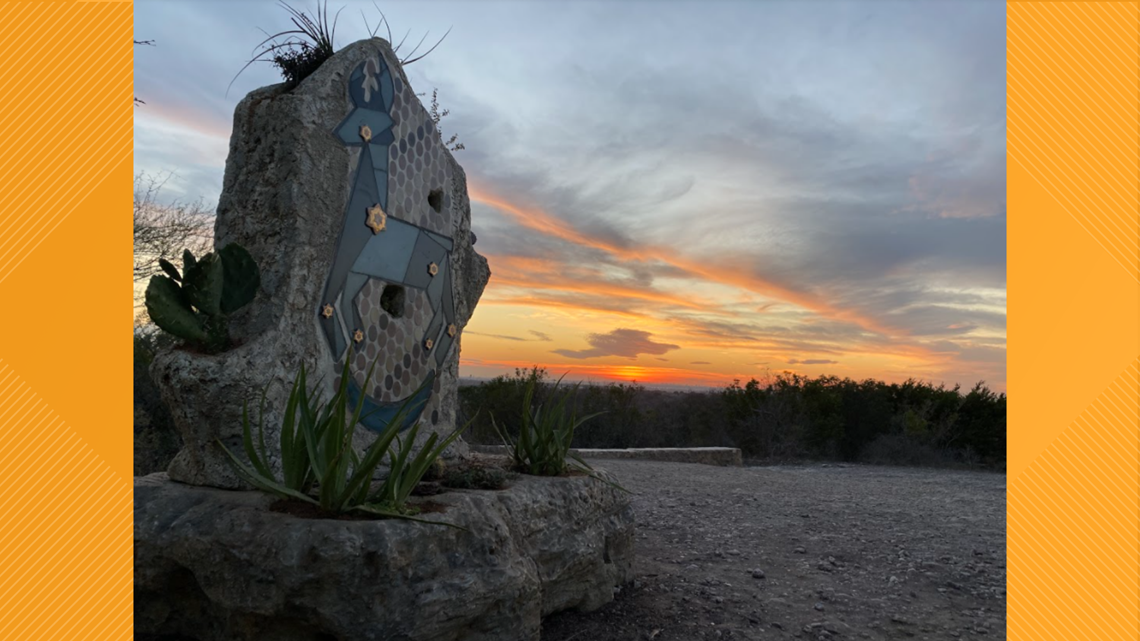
216,565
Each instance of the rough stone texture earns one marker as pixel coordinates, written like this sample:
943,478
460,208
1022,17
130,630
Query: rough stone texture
724,456
287,183
217,565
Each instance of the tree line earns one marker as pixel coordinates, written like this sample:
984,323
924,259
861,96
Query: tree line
787,417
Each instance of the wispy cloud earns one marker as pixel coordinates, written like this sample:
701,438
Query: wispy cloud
499,336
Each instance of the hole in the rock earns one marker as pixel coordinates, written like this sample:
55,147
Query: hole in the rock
435,199
392,300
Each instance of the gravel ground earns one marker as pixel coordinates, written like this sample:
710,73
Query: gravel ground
810,552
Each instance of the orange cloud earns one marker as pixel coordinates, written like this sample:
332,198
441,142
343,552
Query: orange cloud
724,272
522,272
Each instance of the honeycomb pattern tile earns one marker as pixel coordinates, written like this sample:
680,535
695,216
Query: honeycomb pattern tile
393,343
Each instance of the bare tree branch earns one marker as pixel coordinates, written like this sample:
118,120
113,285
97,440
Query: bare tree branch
163,230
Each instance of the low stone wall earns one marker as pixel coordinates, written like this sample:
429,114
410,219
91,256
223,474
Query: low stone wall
216,565
723,456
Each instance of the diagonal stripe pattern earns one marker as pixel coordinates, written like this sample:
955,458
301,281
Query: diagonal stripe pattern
66,518
1072,526
1073,90
1072,82
58,142
66,528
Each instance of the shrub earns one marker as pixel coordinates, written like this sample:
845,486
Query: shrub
902,449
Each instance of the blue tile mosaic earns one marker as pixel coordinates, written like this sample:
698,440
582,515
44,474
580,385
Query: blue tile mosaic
349,314
378,416
435,287
370,85
434,328
349,129
353,284
443,241
368,261
331,327
388,254
426,252
386,92
444,347
354,235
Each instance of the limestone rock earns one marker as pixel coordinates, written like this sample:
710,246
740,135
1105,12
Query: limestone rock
298,171
217,565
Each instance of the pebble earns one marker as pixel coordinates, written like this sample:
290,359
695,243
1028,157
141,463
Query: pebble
758,574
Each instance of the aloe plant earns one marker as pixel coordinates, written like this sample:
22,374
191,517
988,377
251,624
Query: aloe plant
319,464
405,474
542,447
195,304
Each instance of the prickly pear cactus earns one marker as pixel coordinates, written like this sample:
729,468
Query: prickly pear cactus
193,305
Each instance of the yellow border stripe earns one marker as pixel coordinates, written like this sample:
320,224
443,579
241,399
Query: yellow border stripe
1073,74
66,518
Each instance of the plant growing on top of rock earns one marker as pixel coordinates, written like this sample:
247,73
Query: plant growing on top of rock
298,52
195,304
318,457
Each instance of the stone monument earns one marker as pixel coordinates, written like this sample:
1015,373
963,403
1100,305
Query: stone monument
358,216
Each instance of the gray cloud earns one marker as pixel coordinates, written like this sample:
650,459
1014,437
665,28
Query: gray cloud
619,342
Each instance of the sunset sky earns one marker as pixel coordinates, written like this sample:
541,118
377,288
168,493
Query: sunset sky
677,192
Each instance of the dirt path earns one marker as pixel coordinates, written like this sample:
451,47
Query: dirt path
810,552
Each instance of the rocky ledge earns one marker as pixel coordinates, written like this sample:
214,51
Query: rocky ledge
214,565
723,456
